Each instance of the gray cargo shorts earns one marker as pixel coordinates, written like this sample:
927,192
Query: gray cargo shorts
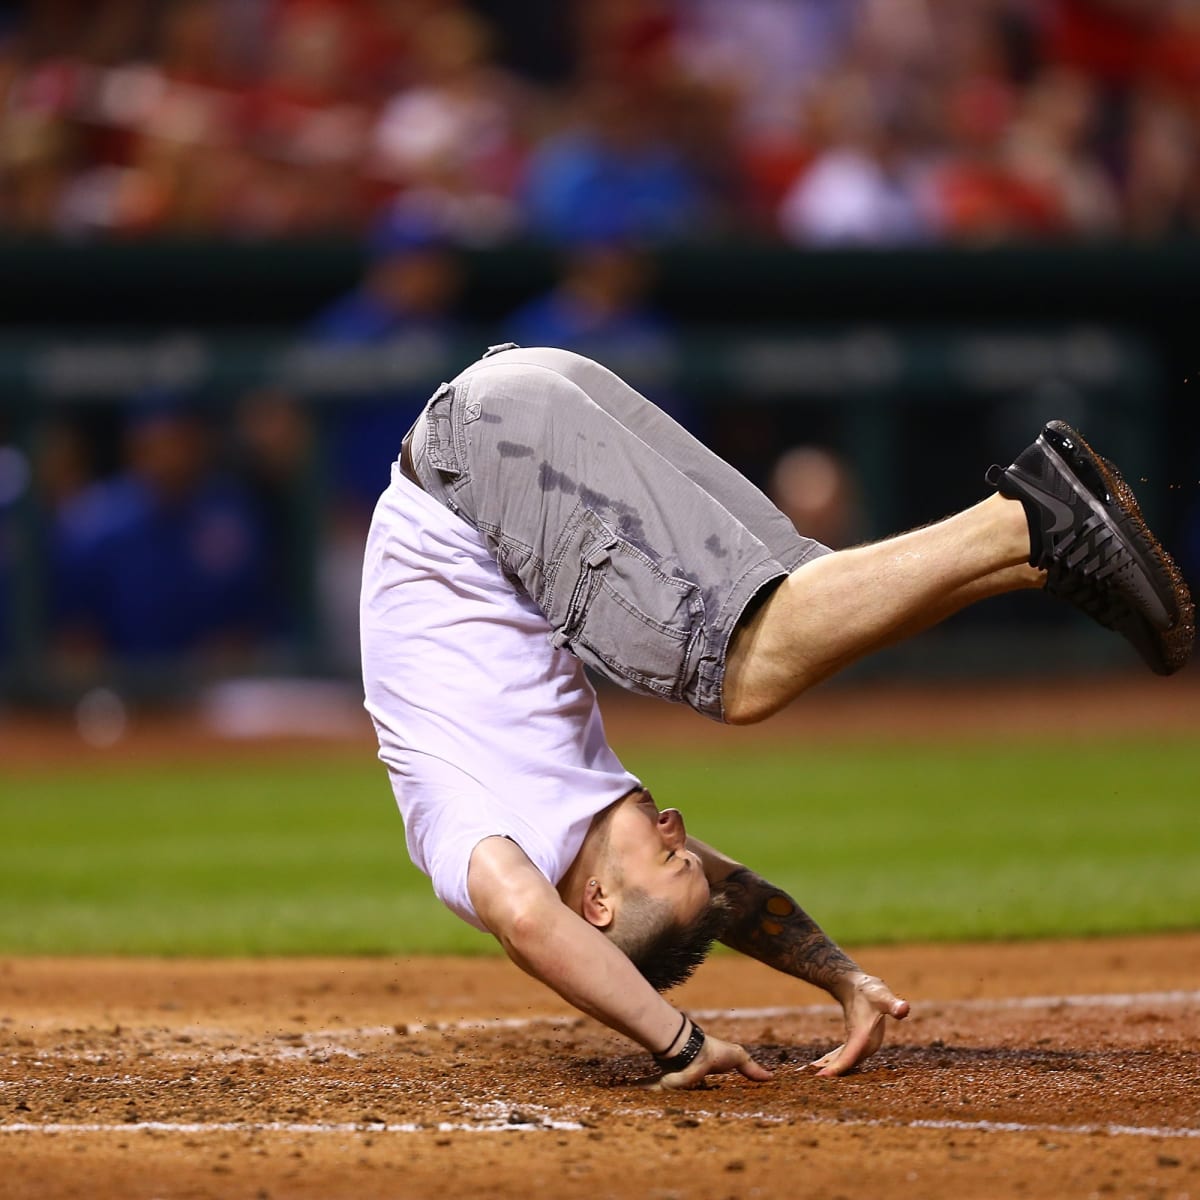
641,547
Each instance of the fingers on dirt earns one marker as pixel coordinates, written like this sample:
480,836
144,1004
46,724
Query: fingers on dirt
755,1070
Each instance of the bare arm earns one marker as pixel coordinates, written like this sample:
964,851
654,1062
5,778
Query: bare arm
770,926
767,924
557,946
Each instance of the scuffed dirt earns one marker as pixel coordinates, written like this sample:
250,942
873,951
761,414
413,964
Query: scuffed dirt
447,1078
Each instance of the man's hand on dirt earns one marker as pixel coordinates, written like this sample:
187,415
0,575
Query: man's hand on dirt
867,1003
715,1058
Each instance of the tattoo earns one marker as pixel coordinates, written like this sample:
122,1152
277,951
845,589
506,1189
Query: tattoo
769,925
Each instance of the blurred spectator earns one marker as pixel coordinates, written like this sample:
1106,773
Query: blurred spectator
816,490
163,559
275,440
274,437
870,186
306,121
629,41
409,290
657,118
406,301
58,469
612,172
64,465
449,138
978,195
767,52
1163,186
1049,148
600,308
37,148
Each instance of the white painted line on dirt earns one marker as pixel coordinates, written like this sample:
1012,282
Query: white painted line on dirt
1159,1131
308,1041
1021,1127
168,1127
292,1127
999,1004
1100,1000
463,1026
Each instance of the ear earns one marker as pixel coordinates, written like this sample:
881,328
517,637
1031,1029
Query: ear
597,905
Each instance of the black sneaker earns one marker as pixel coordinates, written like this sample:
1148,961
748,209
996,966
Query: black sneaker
1087,532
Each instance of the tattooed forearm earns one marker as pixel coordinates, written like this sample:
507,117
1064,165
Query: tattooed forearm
769,925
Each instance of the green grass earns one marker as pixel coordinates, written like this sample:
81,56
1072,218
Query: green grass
880,843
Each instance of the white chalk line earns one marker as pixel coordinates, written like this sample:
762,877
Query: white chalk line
492,1116
949,1124
775,1012
1151,1131
559,1125
304,1042
289,1127
995,1004
322,1044
1099,1000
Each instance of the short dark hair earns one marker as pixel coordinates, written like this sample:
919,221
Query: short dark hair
665,950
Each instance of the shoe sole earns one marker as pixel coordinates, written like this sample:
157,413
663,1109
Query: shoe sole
1175,642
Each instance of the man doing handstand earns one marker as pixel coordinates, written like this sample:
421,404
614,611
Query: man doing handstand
544,516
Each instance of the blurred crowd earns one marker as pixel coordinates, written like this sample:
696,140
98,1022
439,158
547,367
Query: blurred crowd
180,528
821,121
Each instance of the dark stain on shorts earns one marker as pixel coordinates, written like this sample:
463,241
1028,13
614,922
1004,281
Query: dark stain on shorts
713,545
513,450
628,520
596,501
550,480
633,529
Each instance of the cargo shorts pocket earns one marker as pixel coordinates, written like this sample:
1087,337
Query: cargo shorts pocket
620,613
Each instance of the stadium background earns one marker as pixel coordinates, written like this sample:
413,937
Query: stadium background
243,241
862,248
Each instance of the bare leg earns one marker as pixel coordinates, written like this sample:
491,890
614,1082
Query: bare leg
1007,579
839,608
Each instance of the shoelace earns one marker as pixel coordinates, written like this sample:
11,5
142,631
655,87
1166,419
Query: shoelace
1082,564
1103,604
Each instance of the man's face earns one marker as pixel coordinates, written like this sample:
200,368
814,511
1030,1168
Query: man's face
650,849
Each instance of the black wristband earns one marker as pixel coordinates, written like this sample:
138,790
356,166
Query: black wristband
683,1020
686,1056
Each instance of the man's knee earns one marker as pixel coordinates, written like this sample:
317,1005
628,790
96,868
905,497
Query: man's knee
743,712
747,694
748,707
751,692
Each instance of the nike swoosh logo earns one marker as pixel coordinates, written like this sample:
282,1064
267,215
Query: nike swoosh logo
1063,515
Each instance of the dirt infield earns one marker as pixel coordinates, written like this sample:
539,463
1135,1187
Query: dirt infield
1043,1070
1048,1069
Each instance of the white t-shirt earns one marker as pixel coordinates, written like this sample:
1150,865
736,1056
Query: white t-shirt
485,727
